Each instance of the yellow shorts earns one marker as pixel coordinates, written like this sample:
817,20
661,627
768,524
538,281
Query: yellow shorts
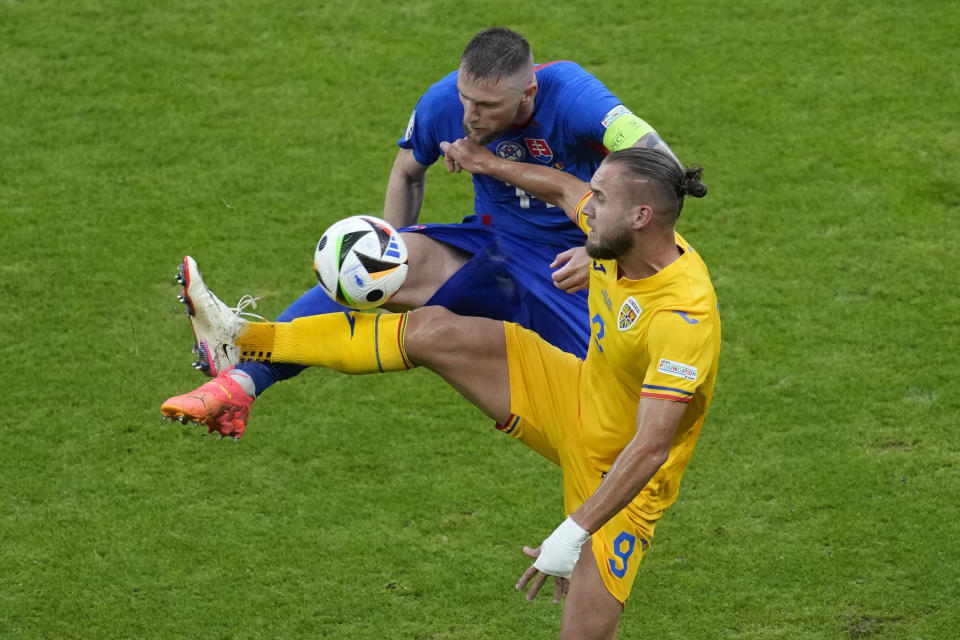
545,403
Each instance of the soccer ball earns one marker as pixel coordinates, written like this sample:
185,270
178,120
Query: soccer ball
361,261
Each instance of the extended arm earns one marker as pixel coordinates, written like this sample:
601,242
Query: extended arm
546,183
401,207
657,422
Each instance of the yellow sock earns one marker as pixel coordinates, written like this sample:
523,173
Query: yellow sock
347,342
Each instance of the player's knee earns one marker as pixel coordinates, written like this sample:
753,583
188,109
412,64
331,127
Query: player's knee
432,333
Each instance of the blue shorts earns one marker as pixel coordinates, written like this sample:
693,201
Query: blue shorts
506,278
509,278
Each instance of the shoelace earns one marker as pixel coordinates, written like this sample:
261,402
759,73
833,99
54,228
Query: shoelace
248,301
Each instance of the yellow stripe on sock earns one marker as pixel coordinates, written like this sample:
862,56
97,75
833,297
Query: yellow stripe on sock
401,341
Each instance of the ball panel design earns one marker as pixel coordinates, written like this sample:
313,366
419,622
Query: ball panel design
361,261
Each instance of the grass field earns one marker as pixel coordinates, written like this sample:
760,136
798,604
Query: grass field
822,501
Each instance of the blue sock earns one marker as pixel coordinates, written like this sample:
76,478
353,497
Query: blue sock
311,303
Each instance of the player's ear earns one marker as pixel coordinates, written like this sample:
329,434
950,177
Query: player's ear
529,91
640,216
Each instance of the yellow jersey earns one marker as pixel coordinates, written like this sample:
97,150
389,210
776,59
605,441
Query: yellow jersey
658,337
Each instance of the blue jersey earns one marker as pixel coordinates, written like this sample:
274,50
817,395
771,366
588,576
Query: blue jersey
508,276
572,110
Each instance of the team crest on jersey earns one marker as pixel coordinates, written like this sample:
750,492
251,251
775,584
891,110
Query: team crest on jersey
629,313
510,150
539,149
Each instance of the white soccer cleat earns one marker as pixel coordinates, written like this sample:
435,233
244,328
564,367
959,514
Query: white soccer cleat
215,325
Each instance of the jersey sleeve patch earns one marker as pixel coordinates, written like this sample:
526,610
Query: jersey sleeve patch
613,114
419,137
681,356
437,116
409,130
677,369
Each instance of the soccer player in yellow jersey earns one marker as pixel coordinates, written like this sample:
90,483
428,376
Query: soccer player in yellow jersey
622,423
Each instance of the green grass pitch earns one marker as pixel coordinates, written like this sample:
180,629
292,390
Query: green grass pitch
822,501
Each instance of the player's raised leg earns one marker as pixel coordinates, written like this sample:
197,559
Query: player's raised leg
469,353
431,264
216,327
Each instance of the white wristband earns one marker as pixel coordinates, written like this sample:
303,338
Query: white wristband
561,550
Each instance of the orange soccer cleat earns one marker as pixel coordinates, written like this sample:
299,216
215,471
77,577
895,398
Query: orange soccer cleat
221,404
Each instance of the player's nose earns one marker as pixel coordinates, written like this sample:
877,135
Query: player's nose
470,113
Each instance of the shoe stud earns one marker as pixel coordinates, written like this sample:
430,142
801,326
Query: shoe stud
202,363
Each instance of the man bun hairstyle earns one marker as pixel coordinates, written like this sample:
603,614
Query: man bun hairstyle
672,180
690,185
495,53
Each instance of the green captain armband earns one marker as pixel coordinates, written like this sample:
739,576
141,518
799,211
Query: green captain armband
625,131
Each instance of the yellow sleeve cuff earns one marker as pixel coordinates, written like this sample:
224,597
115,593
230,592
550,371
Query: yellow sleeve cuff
580,217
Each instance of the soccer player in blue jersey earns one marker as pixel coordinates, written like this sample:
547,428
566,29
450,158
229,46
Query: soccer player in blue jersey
516,257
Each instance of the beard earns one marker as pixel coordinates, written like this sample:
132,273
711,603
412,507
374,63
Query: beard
619,242
481,137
